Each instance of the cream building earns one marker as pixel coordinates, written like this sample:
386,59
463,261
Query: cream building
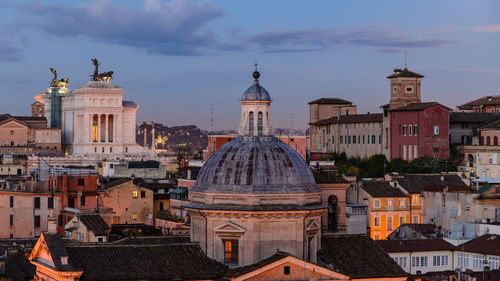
95,120
358,135
25,213
256,195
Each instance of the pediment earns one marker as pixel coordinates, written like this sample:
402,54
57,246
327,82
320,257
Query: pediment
275,269
13,123
312,225
229,227
41,252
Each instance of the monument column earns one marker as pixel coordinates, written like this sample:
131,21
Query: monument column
99,128
91,119
106,132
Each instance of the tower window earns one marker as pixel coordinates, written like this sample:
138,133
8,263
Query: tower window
409,89
250,123
230,251
394,90
259,123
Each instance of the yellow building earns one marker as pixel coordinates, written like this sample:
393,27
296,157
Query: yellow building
130,203
388,206
414,184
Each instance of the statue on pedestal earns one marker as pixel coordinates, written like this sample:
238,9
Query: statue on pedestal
105,76
63,83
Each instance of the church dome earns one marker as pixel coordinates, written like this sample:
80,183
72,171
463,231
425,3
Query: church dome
256,92
255,165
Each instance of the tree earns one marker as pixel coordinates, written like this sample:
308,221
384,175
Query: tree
398,165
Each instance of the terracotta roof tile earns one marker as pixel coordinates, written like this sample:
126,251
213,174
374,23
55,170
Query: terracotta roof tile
152,240
416,183
381,189
94,223
358,257
330,101
418,106
238,271
417,245
486,100
472,117
488,244
145,262
352,118
404,73
18,267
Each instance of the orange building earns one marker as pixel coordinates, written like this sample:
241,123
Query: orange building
27,204
388,206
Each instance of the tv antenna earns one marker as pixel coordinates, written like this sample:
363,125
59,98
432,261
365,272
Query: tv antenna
211,117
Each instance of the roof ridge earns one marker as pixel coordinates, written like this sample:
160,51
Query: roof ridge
111,244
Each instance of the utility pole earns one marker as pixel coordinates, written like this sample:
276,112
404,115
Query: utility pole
211,117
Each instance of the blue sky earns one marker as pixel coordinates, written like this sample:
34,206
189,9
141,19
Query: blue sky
175,58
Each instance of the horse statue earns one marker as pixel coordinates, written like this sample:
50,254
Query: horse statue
105,76
63,83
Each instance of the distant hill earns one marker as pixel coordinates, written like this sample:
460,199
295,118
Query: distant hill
189,137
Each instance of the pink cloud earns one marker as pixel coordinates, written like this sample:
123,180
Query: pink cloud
488,28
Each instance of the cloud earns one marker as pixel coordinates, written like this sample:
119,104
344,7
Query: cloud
8,52
487,28
324,38
179,27
169,28
463,69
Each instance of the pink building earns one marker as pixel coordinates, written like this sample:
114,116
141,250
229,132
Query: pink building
419,129
27,204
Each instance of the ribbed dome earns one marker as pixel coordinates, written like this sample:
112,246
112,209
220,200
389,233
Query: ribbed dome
255,165
256,93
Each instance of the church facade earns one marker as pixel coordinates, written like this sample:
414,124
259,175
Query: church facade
255,195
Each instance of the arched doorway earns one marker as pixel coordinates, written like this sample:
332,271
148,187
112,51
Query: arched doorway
332,212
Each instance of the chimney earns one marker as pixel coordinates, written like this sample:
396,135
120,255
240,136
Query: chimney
64,260
397,70
52,223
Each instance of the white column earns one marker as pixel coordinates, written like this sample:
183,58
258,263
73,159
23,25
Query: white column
115,134
91,119
118,127
106,129
99,128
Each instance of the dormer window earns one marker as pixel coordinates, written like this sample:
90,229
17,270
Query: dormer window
395,90
64,260
409,89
